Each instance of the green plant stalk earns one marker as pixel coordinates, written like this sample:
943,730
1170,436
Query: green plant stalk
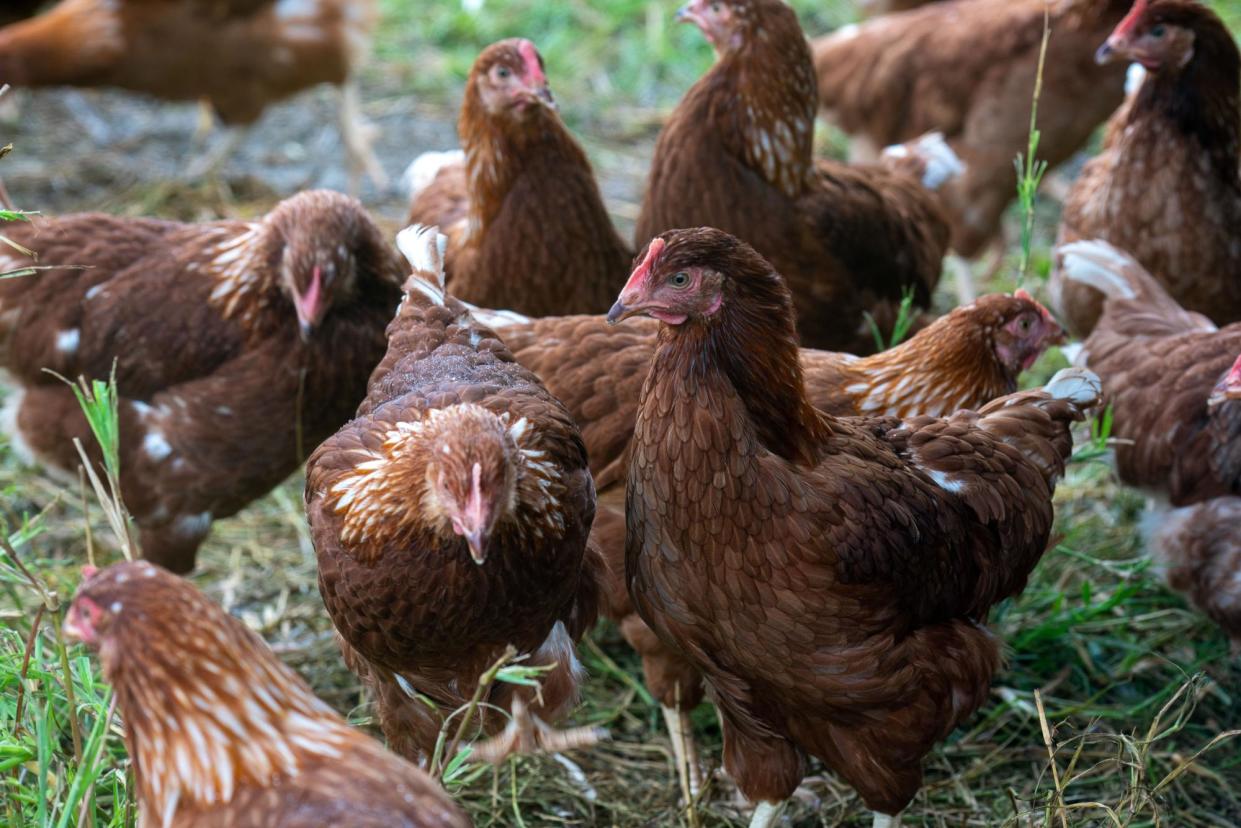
1030,171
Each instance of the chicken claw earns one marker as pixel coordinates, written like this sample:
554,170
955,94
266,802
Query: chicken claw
527,734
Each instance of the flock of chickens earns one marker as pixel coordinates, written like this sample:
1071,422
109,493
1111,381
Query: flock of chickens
811,538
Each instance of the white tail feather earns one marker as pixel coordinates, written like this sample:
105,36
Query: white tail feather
1077,385
942,164
497,319
423,169
424,248
1099,265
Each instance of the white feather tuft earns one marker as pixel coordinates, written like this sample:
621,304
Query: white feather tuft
423,169
1098,264
1077,385
1075,353
424,248
942,164
1134,75
497,319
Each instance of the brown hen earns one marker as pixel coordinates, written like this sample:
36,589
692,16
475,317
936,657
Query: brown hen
238,347
450,520
526,224
237,55
221,733
736,154
962,360
829,577
1166,187
966,68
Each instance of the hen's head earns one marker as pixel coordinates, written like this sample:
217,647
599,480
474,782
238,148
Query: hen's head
728,24
1159,34
685,276
508,81
1228,388
1019,327
326,240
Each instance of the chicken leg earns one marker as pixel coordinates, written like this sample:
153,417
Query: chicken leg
684,751
527,733
886,821
357,136
766,814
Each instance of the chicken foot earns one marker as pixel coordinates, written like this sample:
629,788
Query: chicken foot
357,136
684,751
527,733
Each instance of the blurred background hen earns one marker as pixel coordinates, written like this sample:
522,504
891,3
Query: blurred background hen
854,507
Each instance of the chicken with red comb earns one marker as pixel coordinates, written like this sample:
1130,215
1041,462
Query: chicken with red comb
829,577
450,520
1178,135
525,221
737,154
220,732
238,346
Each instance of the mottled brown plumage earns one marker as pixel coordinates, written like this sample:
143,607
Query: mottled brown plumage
228,337
736,154
966,68
875,8
828,576
1199,549
241,55
534,236
1161,366
220,732
1179,137
450,520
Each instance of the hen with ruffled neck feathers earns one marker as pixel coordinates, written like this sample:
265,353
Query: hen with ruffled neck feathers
450,520
526,223
223,734
828,577
737,154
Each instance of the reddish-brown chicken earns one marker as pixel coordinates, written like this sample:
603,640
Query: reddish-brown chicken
450,520
220,732
238,55
1166,187
1165,370
736,154
238,347
525,221
829,577
1199,549
966,68
874,8
962,360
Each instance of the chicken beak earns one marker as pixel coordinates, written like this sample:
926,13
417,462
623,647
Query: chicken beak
309,305
477,542
473,520
1106,53
619,312
544,94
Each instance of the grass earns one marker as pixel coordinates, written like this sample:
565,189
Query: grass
1116,705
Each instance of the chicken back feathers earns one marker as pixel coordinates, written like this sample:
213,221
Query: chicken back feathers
827,576
736,154
967,69
1200,552
241,55
237,346
1176,402
535,236
451,518
223,734
1179,135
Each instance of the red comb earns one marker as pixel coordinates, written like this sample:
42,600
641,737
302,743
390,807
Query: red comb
1131,19
534,70
644,269
1234,374
89,571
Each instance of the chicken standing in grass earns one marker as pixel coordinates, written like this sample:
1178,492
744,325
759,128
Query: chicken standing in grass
1173,380
829,577
1167,186
238,346
239,56
450,520
526,224
964,359
736,154
220,732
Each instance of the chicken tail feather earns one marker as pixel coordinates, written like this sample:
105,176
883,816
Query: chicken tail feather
930,159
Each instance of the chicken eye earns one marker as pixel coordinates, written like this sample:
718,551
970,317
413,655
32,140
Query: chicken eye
1158,31
715,8
503,73
1024,324
679,279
